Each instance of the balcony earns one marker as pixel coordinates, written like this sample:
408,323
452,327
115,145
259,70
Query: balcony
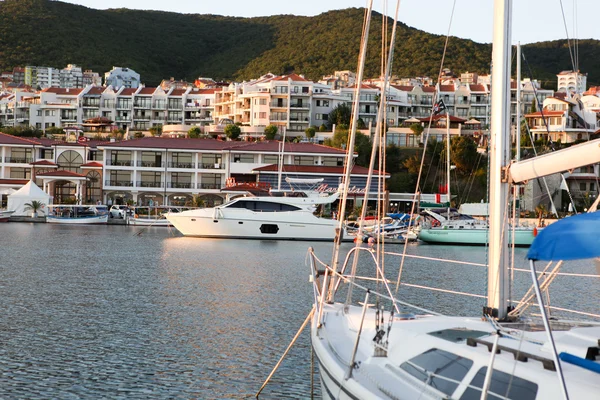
123,118
151,164
121,163
141,117
118,183
212,166
18,160
149,184
300,105
215,186
180,185
278,105
159,106
173,164
143,105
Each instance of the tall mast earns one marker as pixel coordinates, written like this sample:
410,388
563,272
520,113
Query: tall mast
350,148
518,133
498,281
448,161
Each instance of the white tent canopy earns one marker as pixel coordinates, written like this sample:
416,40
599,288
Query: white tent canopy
27,194
7,191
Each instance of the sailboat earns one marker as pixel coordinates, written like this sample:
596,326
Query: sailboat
366,352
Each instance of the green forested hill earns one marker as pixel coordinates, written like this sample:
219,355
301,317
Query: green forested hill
160,44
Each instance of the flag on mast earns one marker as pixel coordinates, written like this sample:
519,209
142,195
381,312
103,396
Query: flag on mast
439,107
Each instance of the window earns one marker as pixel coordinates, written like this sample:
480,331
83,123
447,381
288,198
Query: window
442,364
39,113
20,173
270,159
150,179
304,160
47,154
262,115
150,159
592,186
120,157
210,181
70,160
243,158
263,102
262,206
210,160
502,386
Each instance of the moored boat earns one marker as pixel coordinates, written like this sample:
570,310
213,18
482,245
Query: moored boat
77,214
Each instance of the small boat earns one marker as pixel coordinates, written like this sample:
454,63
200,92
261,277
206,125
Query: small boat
151,216
77,214
4,215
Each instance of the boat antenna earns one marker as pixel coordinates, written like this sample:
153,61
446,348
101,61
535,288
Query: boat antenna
350,148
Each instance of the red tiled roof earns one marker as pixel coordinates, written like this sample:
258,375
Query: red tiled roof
447,88
440,116
63,91
46,163
363,86
177,92
174,143
127,92
13,181
546,114
293,77
513,84
96,90
267,146
63,173
560,95
477,88
314,169
404,88
147,90
92,164
428,89
10,139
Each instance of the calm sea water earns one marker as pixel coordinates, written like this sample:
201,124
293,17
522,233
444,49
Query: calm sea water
123,312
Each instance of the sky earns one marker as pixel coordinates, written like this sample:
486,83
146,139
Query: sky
533,20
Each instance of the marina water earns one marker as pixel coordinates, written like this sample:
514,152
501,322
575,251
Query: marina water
123,312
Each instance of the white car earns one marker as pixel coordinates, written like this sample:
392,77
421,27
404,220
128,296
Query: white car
119,211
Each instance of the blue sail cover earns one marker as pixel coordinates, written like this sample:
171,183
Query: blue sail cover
572,238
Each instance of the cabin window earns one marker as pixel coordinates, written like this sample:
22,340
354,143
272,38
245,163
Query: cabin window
263,206
441,363
503,386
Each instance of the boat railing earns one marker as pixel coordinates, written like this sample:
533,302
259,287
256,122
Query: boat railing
320,269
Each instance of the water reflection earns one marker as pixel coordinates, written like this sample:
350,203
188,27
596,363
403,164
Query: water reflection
103,312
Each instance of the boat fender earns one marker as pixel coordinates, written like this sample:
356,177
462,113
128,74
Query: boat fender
580,362
135,216
535,232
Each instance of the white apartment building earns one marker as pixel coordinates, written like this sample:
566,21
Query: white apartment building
135,109
41,77
571,81
290,102
119,77
564,120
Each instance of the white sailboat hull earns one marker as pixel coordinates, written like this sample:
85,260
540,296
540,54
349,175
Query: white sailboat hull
246,224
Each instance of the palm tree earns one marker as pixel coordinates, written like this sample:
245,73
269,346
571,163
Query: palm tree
34,206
